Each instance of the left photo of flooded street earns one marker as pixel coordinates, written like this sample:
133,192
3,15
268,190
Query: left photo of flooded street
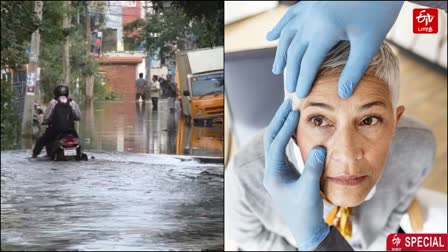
112,125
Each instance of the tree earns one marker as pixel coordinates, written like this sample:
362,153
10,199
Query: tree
66,43
52,48
207,19
177,22
164,30
17,24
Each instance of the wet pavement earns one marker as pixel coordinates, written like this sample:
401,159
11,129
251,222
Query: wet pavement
116,201
129,126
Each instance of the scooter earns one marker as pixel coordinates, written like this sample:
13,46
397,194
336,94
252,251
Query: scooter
66,147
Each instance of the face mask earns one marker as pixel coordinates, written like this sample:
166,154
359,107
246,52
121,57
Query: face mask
62,99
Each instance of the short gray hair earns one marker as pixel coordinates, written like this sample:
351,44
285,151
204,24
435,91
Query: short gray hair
384,66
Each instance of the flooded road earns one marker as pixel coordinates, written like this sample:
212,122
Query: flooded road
130,195
116,201
129,126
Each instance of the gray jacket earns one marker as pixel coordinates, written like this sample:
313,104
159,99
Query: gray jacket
253,224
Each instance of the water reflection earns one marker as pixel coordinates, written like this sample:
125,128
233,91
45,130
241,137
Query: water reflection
199,139
129,126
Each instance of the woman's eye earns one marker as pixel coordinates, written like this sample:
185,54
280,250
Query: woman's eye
319,121
369,121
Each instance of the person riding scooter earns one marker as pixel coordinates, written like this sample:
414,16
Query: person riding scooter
59,116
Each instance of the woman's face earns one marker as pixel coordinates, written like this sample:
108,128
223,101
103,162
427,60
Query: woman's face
356,132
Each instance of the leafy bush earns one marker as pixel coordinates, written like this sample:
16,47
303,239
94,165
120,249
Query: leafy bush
10,121
100,90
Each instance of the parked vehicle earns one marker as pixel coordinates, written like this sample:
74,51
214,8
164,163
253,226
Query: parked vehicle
200,82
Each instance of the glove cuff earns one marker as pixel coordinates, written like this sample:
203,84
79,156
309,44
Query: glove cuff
316,238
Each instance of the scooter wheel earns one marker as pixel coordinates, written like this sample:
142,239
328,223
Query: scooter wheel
60,156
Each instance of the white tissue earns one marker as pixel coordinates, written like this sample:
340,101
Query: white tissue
294,99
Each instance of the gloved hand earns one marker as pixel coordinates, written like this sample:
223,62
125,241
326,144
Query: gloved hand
298,200
310,29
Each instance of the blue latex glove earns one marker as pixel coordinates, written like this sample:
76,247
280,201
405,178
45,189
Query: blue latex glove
298,200
309,30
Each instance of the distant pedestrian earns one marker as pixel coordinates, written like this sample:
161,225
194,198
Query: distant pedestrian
172,92
140,84
155,89
163,87
98,47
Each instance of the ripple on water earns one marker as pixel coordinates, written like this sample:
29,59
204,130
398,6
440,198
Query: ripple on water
115,202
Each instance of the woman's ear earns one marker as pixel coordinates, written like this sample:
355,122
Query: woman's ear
399,113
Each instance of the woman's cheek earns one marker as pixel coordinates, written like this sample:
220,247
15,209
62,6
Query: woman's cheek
308,138
377,152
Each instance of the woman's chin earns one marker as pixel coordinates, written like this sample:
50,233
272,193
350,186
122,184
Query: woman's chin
346,197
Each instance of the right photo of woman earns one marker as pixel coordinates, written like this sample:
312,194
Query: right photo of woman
335,128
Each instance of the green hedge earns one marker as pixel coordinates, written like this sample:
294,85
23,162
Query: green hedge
10,121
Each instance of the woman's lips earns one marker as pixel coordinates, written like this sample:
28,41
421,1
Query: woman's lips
347,180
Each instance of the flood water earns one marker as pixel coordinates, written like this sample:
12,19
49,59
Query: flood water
153,182
129,126
117,201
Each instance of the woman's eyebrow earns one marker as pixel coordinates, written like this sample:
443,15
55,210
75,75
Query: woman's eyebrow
371,104
319,104
329,107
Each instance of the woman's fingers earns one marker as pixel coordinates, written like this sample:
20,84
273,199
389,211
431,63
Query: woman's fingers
277,137
295,54
362,51
309,66
282,48
314,165
278,28
276,124
278,146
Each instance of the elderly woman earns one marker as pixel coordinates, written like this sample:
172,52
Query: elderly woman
358,178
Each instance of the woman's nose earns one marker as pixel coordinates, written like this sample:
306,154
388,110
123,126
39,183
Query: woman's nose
347,146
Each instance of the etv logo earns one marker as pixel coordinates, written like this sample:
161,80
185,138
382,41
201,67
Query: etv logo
416,242
396,240
425,21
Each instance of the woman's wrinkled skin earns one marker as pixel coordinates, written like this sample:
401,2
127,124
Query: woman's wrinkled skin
356,132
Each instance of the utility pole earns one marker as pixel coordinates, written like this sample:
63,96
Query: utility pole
148,54
66,25
33,72
89,79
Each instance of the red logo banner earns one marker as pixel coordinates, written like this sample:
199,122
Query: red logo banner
425,21
403,242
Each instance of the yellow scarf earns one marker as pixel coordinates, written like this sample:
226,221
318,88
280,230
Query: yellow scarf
340,218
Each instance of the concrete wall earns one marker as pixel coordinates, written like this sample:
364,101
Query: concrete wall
121,79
